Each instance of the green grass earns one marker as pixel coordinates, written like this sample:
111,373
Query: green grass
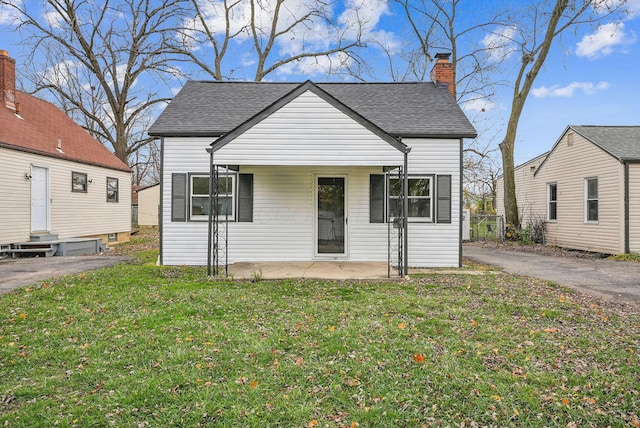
629,257
141,345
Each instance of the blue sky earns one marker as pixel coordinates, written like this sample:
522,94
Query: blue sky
590,78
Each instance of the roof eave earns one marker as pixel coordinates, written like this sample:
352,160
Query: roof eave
454,135
212,134
66,158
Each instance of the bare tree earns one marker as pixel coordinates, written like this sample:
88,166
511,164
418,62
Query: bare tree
547,20
435,25
103,62
227,38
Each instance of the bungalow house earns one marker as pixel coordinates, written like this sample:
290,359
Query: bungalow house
586,189
56,181
313,171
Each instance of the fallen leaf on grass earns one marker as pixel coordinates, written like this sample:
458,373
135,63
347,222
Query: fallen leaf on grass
418,358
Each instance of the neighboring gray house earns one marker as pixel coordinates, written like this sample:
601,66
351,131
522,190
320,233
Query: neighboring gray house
586,189
310,171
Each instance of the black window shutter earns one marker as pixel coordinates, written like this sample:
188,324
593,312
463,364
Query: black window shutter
245,197
178,197
444,199
376,198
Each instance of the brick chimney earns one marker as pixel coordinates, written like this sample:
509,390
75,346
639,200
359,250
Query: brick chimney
7,80
444,72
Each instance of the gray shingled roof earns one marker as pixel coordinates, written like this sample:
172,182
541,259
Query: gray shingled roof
207,108
622,142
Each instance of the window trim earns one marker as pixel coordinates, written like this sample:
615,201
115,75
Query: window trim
552,201
84,185
234,197
117,191
587,199
431,218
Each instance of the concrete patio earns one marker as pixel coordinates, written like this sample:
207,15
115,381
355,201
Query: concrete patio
336,270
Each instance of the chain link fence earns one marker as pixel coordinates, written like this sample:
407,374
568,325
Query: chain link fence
487,227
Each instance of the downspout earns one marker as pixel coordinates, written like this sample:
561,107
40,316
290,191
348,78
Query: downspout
405,209
626,207
461,206
210,221
161,213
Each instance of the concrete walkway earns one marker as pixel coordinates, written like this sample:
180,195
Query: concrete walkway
611,279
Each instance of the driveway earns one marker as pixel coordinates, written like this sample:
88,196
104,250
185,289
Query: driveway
610,279
16,273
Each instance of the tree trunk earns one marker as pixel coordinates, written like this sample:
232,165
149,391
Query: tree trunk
508,176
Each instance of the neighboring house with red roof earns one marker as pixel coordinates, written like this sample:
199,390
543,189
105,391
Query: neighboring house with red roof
54,177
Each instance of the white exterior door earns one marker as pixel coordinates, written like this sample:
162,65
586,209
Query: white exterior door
39,199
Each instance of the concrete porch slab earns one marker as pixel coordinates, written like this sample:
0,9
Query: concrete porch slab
314,269
334,270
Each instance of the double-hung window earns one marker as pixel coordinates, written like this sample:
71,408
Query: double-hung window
552,202
419,196
112,189
79,182
199,194
591,200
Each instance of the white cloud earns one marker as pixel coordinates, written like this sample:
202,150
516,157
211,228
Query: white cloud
478,105
587,88
312,66
8,15
633,8
499,45
358,17
604,40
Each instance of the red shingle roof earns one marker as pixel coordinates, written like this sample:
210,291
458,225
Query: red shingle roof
42,127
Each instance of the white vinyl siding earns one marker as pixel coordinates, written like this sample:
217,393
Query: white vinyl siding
436,244
283,210
71,214
308,131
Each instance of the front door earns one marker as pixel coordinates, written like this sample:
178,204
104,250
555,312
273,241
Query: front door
39,199
331,217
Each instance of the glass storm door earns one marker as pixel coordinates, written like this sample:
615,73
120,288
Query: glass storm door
331,216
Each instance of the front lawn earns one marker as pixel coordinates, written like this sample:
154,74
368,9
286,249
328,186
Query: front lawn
141,345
